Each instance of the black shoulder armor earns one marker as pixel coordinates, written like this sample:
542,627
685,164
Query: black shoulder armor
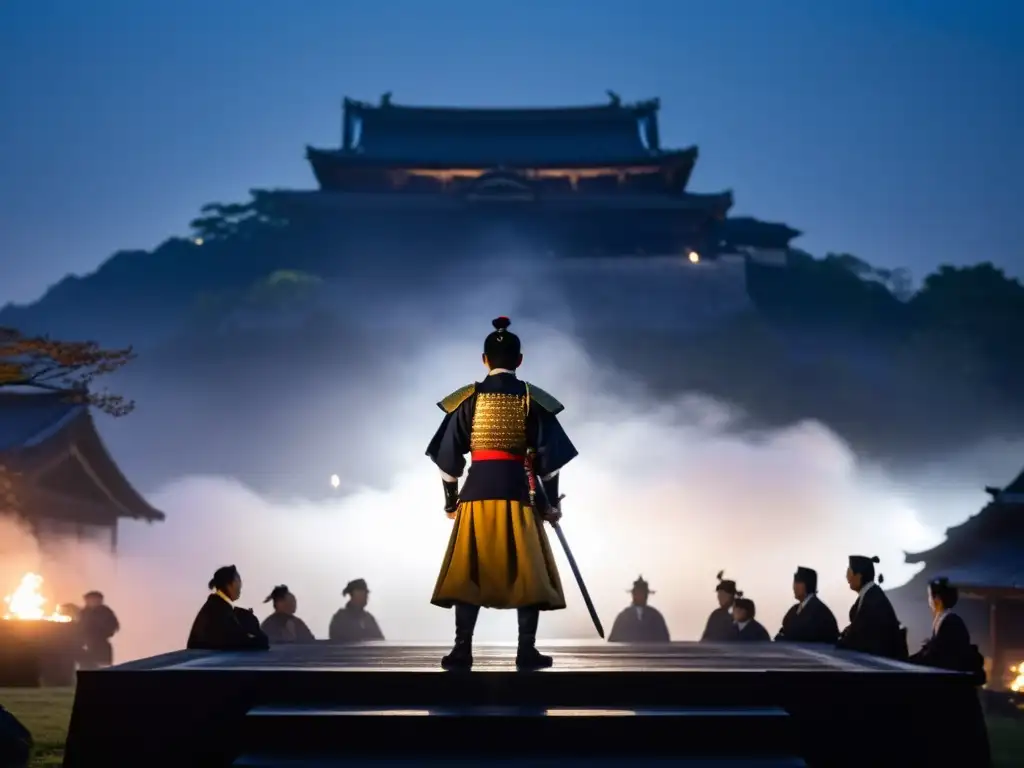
544,400
457,398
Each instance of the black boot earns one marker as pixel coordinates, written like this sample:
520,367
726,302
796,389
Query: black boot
528,657
461,656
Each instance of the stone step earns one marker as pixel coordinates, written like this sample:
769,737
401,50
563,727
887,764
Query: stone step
464,761
522,732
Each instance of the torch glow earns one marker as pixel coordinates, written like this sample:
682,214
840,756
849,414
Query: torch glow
27,603
1017,684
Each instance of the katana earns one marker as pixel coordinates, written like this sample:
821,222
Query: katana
538,488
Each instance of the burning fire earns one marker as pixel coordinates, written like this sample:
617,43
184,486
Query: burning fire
1017,684
27,603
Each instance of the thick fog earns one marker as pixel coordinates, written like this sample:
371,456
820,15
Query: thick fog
672,491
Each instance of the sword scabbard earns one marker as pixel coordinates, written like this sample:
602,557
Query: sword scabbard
531,477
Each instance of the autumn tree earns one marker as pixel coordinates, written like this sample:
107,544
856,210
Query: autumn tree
41,363
71,367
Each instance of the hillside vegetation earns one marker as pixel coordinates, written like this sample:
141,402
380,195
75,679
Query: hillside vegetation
901,374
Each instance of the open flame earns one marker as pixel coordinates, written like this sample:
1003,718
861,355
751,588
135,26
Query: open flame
27,603
1017,684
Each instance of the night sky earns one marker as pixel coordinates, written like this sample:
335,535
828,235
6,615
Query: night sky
887,128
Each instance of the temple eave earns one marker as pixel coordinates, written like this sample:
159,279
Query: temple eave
702,206
916,558
613,107
61,465
987,567
55,505
553,166
949,548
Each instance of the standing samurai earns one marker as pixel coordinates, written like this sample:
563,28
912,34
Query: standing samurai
498,555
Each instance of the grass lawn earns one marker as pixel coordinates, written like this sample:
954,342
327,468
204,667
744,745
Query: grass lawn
46,712
1007,739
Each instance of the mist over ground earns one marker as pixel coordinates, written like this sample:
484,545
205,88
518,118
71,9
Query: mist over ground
674,491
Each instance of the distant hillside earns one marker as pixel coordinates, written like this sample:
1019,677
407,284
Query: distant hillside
901,376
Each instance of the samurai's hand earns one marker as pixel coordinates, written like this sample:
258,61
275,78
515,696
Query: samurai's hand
552,500
451,497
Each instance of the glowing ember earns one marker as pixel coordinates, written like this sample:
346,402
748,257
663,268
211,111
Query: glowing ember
27,603
1017,684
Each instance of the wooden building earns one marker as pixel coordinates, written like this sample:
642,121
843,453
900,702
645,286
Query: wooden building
56,474
584,181
984,558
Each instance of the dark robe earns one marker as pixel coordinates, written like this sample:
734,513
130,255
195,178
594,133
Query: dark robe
96,625
874,627
247,618
285,628
639,625
219,626
15,741
950,648
720,627
351,624
815,623
752,632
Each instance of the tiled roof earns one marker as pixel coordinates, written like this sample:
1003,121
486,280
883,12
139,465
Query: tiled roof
42,432
581,201
745,230
609,110
442,152
995,566
494,137
29,419
998,522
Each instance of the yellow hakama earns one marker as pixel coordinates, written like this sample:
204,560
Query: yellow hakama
499,557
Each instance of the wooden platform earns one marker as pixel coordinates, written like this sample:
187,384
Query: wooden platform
768,705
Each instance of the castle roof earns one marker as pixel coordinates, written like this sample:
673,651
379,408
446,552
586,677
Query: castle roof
746,230
51,445
715,204
992,567
607,135
987,549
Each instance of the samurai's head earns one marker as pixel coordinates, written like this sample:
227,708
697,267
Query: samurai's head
861,571
725,591
805,582
227,581
641,591
502,349
743,609
284,601
942,595
358,593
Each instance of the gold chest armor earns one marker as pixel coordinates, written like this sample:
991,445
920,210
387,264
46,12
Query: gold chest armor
499,423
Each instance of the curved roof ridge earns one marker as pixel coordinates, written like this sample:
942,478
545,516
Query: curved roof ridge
581,110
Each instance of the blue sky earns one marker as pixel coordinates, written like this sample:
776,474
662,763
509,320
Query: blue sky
890,129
